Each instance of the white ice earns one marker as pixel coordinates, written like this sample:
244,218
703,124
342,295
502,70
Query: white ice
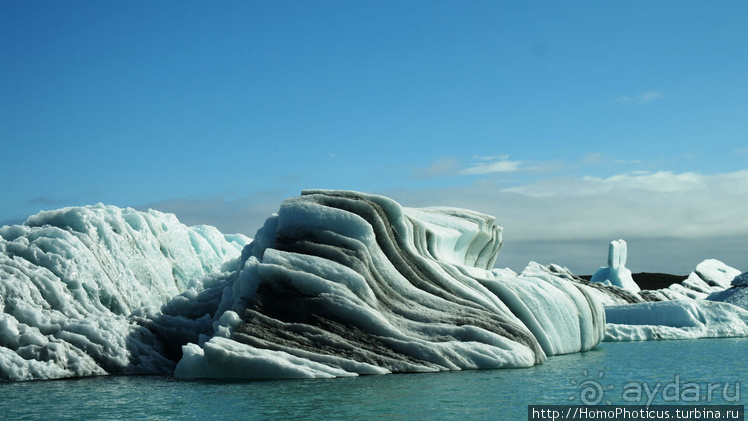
457,246
70,278
698,307
737,294
676,319
98,290
616,272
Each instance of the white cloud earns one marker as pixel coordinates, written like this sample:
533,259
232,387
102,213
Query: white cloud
493,165
640,98
490,157
482,165
645,181
644,205
671,220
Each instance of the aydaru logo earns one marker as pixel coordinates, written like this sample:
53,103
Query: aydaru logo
591,391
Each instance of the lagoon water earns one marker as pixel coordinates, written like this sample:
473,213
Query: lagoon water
611,373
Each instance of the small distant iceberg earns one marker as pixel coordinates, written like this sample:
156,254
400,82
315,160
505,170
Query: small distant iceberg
616,272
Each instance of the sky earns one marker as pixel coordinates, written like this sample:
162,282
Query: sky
573,123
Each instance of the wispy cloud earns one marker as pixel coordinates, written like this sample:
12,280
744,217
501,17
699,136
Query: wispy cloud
481,165
623,184
492,164
600,158
593,158
640,98
442,166
490,157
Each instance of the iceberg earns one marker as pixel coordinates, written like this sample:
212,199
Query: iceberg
697,307
616,272
70,278
344,283
335,284
676,319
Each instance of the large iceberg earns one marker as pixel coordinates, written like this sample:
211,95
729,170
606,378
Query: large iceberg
336,283
343,283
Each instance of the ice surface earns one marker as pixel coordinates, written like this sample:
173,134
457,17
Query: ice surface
676,319
737,294
70,278
716,273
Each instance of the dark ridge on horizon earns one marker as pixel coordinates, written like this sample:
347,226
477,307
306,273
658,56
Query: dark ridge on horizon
652,281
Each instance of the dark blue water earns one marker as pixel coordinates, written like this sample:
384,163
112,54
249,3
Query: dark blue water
612,373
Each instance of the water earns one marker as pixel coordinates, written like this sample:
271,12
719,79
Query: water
609,370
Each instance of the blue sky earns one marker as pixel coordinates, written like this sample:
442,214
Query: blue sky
575,123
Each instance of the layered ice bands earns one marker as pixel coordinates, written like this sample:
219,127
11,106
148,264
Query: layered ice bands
344,283
335,284
69,280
